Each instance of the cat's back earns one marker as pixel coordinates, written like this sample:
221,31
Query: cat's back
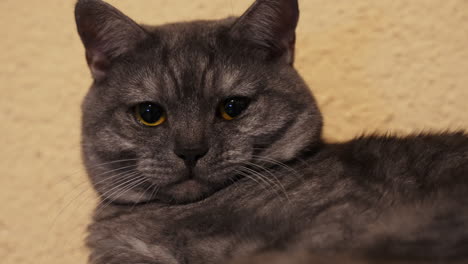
403,196
420,163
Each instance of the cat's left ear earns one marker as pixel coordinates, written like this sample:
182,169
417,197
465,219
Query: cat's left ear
270,26
106,34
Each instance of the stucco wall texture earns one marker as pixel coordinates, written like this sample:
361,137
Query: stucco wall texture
389,66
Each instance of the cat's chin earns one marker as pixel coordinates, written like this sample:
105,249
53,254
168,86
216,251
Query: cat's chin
187,191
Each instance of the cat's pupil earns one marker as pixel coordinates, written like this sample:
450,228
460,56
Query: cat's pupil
235,106
150,112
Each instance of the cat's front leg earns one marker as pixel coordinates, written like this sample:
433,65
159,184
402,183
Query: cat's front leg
123,247
121,255
119,258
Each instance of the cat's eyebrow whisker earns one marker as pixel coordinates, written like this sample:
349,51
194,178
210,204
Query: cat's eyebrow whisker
274,177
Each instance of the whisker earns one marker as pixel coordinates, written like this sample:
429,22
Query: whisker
154,192
264,179
281,164
124,189
91,167
82,192
297,158
62,210
260,176
122,192
113,191
141,196
248,176
101,174
274,177
101,181
79,192
129,178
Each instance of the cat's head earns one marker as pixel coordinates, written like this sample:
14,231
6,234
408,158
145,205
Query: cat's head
180,111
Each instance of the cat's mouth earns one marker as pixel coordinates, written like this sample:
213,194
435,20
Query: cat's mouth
186,191
190,188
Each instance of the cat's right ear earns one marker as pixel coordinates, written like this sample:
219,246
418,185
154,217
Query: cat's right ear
270,25
106,34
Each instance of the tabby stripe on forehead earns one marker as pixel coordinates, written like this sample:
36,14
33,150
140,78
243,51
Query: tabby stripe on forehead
203,80
170,73
177,88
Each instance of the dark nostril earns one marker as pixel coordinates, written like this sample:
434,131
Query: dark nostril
191,156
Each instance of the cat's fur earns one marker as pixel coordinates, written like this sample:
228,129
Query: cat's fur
268,182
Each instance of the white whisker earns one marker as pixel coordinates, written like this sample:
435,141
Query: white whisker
261,177
276,162
91,167
82,192
245,174
274,177
122,192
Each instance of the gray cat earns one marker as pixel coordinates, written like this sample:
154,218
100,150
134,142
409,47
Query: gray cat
205,146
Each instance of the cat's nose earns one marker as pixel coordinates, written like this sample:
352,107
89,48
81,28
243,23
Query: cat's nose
191,155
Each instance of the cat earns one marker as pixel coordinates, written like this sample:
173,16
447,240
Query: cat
204,145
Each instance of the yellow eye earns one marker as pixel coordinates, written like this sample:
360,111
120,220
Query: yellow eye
233,107
150,114
223,113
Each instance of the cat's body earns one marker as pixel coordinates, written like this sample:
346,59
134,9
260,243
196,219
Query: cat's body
349,198
225,161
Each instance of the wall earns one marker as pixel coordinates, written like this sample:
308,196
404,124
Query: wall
392,65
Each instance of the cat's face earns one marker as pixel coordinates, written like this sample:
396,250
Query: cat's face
180,111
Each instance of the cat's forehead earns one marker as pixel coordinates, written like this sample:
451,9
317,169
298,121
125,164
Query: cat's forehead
186,61
201,32
180,77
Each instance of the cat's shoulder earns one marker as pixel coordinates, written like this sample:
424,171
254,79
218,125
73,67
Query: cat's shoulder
419,161
420,143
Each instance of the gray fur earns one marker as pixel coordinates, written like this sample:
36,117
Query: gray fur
268,183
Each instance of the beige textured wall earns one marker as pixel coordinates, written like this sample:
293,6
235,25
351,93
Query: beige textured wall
387,65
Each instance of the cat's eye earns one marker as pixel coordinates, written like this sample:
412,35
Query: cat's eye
150,114
232,107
